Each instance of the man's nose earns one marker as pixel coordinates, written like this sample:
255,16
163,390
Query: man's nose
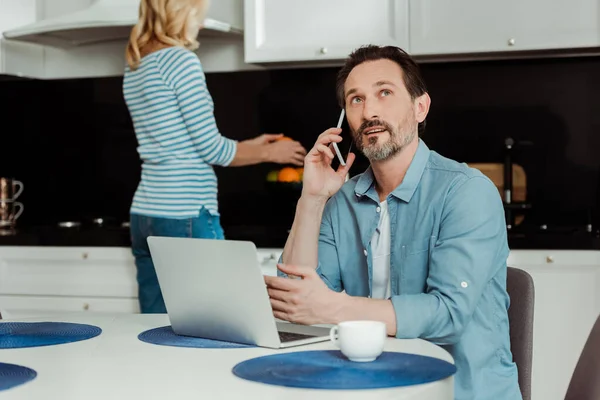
370,110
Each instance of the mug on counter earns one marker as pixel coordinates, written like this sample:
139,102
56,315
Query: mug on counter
359,341
10,189
9,212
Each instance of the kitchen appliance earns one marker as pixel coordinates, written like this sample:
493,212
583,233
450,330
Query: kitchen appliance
111,20
511,207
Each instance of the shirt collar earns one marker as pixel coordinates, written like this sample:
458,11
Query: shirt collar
410,182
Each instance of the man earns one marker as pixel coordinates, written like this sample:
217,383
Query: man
417,241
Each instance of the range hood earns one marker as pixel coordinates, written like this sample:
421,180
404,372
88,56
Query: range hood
102,21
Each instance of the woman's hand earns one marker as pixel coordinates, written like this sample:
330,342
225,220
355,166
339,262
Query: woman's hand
280,151
265,138
268,148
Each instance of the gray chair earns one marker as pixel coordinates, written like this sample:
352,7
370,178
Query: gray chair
585,382
520,288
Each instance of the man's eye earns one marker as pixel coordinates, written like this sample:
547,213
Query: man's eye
355,100
386,92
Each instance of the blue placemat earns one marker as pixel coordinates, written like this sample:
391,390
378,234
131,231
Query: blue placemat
165,336
14,335
332,370
12,375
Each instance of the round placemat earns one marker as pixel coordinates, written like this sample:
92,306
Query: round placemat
14,335
12,375
332,370
165,336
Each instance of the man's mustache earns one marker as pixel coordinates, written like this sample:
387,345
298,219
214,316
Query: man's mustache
374,122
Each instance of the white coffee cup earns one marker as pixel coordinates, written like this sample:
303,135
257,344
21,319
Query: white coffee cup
360,341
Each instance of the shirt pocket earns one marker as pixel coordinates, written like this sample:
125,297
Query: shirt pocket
415,265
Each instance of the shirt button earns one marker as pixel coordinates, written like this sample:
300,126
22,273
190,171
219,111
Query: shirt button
365,251
378,209
464,284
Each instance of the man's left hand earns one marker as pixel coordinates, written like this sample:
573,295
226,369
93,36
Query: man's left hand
305,301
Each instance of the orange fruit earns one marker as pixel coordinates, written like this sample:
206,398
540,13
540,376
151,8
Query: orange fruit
301,172
288,174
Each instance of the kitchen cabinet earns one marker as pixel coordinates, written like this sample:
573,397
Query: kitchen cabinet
473,26
567,302
44,280
316,30
312,30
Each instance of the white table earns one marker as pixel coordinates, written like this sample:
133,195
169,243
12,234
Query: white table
116,365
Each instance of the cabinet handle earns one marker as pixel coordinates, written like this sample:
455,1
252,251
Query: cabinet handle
85,256
323,50
549,259
511,41
86,306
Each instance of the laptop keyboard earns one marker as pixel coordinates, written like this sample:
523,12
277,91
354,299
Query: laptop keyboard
290,337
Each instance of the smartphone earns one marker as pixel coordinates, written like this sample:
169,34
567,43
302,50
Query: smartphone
342,149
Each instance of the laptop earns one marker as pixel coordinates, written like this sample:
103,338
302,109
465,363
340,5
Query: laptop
215,289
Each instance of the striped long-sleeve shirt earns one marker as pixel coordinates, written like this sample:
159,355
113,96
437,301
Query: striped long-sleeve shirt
178,139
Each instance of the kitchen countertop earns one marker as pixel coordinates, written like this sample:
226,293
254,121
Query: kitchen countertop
273,236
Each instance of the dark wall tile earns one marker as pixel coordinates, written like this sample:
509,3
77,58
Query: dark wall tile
71,141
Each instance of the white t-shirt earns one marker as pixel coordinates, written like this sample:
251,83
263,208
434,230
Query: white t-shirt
380,250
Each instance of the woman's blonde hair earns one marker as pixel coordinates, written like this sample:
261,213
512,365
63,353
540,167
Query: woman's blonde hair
163,22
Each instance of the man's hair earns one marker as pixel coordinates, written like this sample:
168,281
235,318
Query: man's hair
410,70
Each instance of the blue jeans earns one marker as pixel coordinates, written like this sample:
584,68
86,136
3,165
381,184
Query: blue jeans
205,226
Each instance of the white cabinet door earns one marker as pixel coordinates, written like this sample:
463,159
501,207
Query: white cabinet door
46,280
475,26
67,271
36,306
542,24
567,302
312,30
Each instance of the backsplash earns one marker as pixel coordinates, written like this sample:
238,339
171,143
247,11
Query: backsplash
72,144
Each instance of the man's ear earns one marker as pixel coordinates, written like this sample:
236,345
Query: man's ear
422,104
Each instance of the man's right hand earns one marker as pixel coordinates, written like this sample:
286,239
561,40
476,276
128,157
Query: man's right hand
320,180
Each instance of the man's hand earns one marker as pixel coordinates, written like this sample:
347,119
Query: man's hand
319,178
305,301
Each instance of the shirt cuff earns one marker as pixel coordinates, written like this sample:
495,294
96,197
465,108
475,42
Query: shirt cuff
413,314
231,148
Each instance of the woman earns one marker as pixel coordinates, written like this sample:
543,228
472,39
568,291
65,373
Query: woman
172,111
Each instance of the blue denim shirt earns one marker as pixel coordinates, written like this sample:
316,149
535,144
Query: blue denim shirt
448,264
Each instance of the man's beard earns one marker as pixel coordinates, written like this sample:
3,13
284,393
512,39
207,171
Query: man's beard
399,138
